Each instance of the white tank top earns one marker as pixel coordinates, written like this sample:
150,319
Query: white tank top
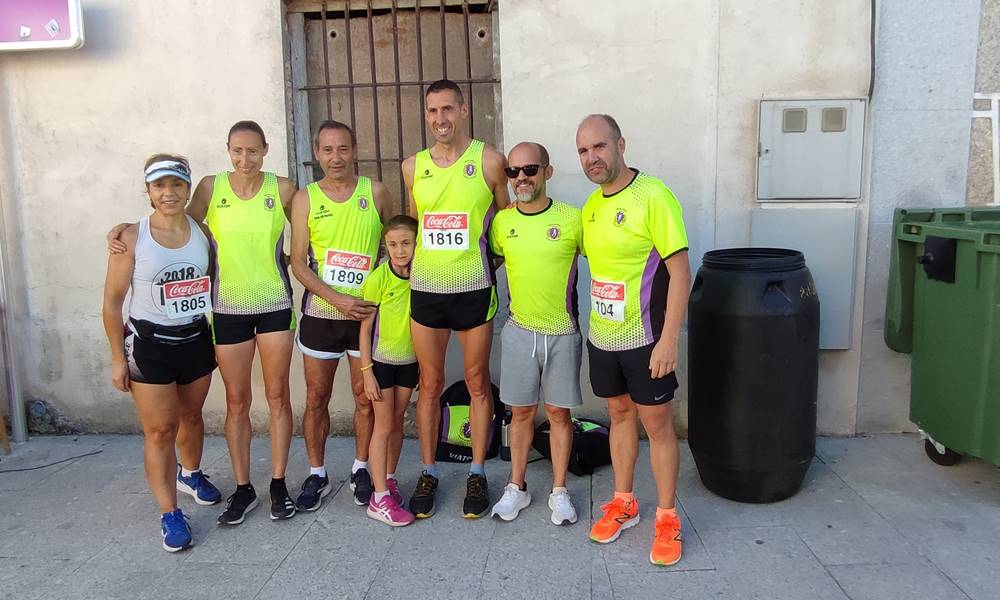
156,266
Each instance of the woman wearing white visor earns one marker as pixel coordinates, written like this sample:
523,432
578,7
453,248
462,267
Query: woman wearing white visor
164,354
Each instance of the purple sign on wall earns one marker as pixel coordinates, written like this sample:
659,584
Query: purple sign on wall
40,24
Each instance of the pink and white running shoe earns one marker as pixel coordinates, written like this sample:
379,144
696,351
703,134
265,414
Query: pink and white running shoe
389,512
394,490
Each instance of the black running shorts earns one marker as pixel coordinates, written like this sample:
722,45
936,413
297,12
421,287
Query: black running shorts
627,371
235,329
458,312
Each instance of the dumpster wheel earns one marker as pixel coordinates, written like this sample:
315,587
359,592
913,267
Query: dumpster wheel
946,459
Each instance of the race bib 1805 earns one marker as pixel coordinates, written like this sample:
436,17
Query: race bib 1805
346,269
445,231
187,298
607,300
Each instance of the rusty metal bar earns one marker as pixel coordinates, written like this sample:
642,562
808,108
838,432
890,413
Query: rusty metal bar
326,66
468,67
420,76
444,45
336,86
399,104
371,53
350,63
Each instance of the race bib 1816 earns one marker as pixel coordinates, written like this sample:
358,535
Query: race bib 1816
187,298
607,300
445,231
346,269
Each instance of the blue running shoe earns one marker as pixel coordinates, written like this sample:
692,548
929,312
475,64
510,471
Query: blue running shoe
176,531
198,487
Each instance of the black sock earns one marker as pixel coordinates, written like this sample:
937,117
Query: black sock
278,484
246,488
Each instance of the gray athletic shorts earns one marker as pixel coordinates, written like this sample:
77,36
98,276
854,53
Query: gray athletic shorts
529,361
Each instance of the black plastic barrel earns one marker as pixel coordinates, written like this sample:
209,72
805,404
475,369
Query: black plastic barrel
753,356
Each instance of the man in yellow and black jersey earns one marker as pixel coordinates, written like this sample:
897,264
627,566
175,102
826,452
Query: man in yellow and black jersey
336,228
636,245
454,188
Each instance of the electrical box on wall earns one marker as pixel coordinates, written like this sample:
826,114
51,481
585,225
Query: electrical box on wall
810,149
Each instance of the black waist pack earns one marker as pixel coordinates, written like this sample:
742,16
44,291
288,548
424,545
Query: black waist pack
591,445
455,439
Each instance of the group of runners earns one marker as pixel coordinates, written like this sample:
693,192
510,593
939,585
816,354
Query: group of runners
222,253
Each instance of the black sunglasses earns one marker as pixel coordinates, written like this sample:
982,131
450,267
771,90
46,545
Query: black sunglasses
529,171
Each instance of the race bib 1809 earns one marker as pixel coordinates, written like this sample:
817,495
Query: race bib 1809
445,231
346,269
607,300
187,298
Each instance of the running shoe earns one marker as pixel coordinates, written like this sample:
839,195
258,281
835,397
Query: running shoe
563,511
389,512
314,489
361,485
198,487
282,506
422,500
394,490
514,499
238,505
618,515
477,497
666,549
176,531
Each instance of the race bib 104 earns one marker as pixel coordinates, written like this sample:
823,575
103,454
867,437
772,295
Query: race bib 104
607,300
346,269
187,298
445,231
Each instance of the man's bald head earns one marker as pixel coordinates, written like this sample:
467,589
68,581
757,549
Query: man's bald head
533,151
608,120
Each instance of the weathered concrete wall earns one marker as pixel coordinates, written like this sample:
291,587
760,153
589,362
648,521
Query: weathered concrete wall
926,65
75,129
683,79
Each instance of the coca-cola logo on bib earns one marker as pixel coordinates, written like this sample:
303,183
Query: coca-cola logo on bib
348,260
185,289
607,291
446,221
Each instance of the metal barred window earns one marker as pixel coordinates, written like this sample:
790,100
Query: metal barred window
368,63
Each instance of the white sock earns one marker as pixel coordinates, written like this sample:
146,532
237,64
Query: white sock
559,489
359,464
186,473
390,476
379,495
320,470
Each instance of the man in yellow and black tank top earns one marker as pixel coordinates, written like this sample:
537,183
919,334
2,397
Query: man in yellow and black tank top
336,229
454,189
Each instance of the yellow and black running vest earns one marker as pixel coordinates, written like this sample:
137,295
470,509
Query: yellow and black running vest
343,244
251,277
454,211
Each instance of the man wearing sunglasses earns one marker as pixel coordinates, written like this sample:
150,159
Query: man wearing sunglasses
640,280
539,240
454,188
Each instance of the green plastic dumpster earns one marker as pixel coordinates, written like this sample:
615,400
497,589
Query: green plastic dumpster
943,308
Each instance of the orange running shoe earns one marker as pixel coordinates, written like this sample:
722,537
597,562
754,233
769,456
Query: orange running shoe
618,515
666,541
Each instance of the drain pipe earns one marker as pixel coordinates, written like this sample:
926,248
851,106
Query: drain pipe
18,419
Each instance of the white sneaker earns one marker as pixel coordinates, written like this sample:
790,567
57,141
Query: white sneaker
563,512
511,503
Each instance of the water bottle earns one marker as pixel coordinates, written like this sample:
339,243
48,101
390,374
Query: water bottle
504,440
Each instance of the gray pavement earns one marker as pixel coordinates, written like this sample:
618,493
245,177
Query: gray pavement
875,520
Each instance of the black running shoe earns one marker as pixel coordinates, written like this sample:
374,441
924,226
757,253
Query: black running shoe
282,506
361,485
477,497
314,488
243,500
422,500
